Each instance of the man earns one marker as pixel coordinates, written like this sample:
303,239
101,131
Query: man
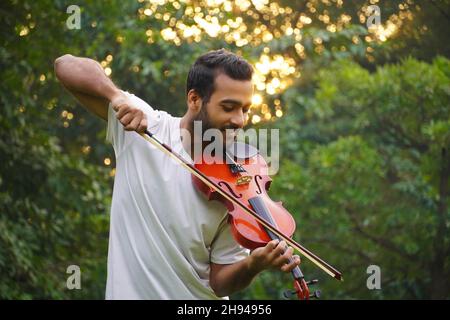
167,241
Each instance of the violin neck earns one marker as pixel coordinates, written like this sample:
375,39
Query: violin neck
261,209
297,273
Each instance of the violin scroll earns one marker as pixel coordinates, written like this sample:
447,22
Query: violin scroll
302,290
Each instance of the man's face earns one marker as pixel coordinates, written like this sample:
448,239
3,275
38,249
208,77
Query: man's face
228,106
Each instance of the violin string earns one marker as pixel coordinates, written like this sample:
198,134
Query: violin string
330,270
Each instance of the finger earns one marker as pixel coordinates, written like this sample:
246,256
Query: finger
142,125
279,250
284,258
116,107
288,267
126,119
272,245
122,110
134,124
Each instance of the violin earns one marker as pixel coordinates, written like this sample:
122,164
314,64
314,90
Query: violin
239,179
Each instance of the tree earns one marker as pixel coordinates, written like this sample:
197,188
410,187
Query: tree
370,170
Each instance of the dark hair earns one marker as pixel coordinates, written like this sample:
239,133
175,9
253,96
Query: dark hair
206,68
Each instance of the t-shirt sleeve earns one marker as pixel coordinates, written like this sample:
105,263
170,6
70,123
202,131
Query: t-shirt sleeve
116,133
224,249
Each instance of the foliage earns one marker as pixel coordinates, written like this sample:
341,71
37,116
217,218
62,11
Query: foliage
369,181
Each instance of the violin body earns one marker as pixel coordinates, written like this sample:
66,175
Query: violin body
246,230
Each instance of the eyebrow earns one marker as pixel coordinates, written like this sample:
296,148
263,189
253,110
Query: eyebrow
234,102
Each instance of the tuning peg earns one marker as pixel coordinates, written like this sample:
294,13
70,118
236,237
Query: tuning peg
312,282
287,294
316,294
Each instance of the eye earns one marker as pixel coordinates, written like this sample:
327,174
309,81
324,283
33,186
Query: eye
227,108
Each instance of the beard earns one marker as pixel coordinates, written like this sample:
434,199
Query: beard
203,117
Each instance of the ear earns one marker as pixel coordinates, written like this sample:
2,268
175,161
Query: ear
194,101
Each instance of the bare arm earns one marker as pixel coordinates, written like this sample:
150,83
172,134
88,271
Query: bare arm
226,279
85,79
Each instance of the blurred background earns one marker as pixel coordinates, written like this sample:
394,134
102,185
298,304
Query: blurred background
361,97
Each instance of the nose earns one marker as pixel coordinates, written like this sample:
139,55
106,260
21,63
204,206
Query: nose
238,119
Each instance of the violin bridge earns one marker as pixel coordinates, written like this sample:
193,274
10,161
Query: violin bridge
244,179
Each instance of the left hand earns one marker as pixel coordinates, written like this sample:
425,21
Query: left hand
274,255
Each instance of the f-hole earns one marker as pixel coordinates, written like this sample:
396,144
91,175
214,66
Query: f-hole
259,191
230,190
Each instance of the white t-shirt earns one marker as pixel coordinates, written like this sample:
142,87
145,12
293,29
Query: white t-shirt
163,232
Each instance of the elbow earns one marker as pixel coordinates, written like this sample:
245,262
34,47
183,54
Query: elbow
219,293
218,290
59,63
63,59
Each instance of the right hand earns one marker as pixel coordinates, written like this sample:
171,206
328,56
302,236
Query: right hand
132,118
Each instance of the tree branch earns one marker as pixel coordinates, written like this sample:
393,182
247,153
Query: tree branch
440,10
341,248
383,242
